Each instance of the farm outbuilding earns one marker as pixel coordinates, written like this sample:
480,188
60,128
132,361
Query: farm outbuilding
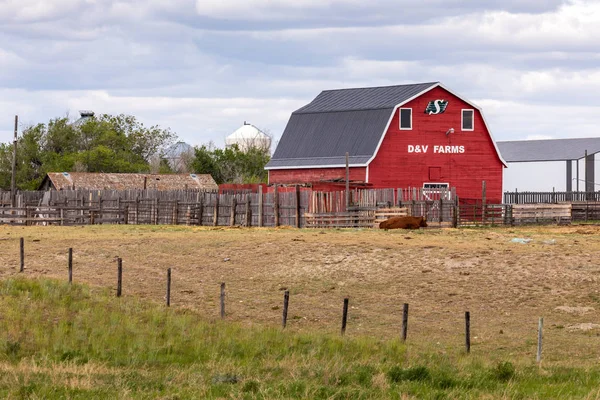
418,135
577,154
113,181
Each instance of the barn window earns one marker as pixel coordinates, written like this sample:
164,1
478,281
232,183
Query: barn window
467,120
405,119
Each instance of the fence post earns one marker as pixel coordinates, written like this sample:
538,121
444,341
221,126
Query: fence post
276,205
119,276
260,206
539,346
286,301
156,202
216,211
200,209
22,254
100,214
70,265
169,287
468,331
126,216
118,209
483,202
345,316
232,214
222,300
248,212
176,213
404,322
297,206
455,215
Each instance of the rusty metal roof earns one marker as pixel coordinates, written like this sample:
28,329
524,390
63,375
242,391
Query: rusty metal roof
101,181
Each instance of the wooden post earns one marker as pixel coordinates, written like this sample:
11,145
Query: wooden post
248,212
200,209
176,212
276,205
539,346
70,265
22,254
119,276
345,316
62,216
222,300
13,177
347,181
260,205
455,215
286,302
468,331
137,209
156,212
232,214
216,211
118,209
126,216
100,207
169,287
297,206
404,322
483,201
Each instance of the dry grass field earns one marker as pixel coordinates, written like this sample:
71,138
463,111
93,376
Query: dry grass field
442,273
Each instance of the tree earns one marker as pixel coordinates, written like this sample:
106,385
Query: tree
232,165
102,144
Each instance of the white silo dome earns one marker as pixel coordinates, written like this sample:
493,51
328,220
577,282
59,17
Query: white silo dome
248,136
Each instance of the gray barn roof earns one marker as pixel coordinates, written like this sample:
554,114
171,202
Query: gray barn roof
340,121
548,150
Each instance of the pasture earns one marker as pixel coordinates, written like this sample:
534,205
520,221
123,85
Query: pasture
506,286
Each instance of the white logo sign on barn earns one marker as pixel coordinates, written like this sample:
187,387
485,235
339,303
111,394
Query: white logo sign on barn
436,107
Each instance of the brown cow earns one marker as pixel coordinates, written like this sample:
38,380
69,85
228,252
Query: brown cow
403,223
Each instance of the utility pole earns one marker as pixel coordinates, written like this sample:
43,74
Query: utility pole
347,182
13,179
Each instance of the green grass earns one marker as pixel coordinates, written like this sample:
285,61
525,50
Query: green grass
61,341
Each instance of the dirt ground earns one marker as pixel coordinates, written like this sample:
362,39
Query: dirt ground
506,286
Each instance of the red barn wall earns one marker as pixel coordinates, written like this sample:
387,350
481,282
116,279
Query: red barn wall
315,174
394,166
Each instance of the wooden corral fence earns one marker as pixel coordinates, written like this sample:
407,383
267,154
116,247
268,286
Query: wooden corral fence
291,206
538,213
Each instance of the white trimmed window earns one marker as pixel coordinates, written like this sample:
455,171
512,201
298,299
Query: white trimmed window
405,119
467,122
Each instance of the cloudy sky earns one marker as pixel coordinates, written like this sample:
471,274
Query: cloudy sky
204,67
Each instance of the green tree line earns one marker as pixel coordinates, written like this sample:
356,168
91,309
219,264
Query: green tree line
122,144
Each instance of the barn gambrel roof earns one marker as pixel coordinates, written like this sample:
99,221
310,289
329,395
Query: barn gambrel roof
319,134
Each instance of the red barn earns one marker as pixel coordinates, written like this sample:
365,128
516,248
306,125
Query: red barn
418,135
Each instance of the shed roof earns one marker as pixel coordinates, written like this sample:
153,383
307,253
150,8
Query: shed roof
548,150
101,181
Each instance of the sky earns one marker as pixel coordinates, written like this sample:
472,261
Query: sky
203,67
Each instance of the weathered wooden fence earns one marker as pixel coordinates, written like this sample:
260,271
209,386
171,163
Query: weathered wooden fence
291,206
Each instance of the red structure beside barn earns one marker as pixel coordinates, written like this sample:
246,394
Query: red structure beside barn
420,135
